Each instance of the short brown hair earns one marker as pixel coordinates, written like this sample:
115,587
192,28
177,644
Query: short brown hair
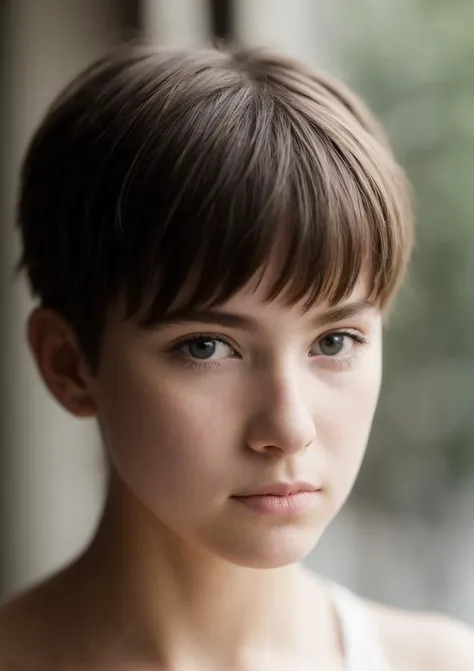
155,164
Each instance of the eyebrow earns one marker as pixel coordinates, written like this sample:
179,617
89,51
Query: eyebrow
244,322
341,312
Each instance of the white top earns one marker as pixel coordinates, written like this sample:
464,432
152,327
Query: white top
362,645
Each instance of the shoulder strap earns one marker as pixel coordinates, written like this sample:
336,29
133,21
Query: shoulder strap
362,645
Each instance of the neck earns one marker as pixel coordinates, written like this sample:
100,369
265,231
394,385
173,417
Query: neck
183,603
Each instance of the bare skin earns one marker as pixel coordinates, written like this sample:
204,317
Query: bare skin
180,575
88,617
67,624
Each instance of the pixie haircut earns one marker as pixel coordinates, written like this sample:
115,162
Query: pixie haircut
159,169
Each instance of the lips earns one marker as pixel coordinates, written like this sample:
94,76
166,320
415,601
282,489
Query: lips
280,489
281,499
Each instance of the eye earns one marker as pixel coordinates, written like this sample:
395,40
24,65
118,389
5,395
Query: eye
337,344
205,348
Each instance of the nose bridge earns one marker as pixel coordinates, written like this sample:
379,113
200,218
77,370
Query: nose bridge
283,418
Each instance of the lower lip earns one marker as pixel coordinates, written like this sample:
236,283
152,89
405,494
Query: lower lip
294,504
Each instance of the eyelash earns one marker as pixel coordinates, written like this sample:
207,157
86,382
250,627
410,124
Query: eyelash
348,361
190,340
341,362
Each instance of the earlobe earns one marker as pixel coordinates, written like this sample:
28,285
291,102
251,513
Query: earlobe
60,361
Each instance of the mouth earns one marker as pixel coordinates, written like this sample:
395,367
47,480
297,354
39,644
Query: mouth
281,489
281,498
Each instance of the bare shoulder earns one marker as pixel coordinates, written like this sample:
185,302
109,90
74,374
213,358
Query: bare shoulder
424,641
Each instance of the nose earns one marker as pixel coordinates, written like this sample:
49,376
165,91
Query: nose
281,421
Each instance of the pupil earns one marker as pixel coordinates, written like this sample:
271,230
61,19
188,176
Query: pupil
202,349
332,344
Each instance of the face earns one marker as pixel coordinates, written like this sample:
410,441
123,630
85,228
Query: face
204,409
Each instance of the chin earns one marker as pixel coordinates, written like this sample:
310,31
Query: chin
271,549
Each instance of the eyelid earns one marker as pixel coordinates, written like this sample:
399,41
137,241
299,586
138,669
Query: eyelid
351,332
190,338
198,335
358,340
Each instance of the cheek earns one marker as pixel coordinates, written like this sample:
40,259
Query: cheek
348,422
169,441
345,416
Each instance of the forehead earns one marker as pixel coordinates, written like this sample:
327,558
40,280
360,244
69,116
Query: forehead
250,309
253,299
258,292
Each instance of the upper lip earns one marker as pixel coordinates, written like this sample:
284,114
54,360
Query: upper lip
281,489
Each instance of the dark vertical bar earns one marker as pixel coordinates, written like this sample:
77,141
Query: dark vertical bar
131,18
222,19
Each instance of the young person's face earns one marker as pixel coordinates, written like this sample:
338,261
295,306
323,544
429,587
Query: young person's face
196,413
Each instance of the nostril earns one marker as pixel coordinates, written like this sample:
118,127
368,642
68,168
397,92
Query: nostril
273,450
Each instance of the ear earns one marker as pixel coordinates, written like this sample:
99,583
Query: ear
60,361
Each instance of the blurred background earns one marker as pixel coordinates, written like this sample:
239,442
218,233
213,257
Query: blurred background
406,536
